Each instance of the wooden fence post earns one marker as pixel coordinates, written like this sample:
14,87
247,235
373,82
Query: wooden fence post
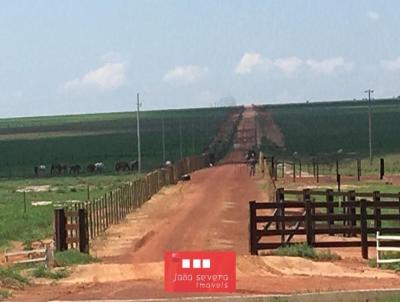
299,168
352,212
317,171
376,196
309,218
60,230
329,208
382,168
338,180
283,168
83,231
280,197
337,168
294,171
358,169
253,228
364,231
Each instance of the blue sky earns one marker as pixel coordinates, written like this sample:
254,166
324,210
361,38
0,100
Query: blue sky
94,56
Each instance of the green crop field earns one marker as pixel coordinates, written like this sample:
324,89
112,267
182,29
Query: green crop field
106,137
322,129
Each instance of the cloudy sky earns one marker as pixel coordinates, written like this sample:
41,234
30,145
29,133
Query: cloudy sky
94,56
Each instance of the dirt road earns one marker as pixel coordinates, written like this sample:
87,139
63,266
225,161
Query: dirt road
209,212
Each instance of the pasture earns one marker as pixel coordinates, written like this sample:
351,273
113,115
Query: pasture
322,129
105,137
34,223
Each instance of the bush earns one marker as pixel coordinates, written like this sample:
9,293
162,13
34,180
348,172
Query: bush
4,293
305,251
44,272
72,257
10,277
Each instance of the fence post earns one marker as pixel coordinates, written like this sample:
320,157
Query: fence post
329,208
376,196
83,231
280,197
358,169
352,212
364,231
382,168
338,177
60,230
308,219
283,168
299,168
253,228
294,171
317,171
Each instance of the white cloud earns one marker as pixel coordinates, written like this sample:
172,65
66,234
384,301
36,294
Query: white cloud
373,15
329,66
288,65
391,65
248,62
110,76
185,74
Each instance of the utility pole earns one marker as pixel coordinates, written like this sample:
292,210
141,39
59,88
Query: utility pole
138,134
369,91
163,138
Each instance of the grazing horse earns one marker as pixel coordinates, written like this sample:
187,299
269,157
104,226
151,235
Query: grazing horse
75,169
99,167
122,166
91,168
39,169
60,169
133,165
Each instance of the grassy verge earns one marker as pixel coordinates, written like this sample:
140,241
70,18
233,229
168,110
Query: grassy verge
389,266
73,257
44,272
305,251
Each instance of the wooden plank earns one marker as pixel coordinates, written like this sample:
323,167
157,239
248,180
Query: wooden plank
72,240
71,214
72,226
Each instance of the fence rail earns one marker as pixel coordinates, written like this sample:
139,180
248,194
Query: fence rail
354,216
76,224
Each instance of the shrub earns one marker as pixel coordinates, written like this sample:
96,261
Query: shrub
44,272
305,251
71,257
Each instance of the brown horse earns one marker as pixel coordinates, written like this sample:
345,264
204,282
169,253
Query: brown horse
75,169
122,166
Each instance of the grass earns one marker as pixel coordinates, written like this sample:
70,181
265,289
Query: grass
36,222
305,251
73,257
11,277
44,272
389,266
4,293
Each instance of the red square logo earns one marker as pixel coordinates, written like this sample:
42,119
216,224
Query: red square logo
200,271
